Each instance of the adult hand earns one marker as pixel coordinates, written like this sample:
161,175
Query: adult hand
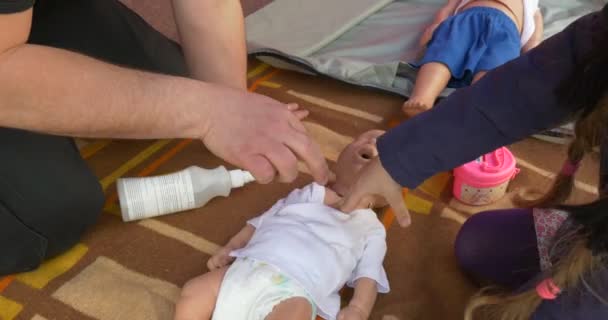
263,136
373,181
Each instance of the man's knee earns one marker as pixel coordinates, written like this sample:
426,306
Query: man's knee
74,210
48,198
31,234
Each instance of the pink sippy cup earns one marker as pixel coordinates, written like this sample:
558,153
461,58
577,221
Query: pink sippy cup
485,179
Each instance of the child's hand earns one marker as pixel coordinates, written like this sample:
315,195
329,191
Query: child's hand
374,181
220,259
351,313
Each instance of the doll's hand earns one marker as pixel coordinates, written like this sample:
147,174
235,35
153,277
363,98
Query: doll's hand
220,259
352,313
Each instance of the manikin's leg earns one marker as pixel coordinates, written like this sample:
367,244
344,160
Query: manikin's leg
432,78
199,295
478,76
293,309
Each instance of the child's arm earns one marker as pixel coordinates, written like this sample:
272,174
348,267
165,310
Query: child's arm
222,257
360,306
537,36
443,13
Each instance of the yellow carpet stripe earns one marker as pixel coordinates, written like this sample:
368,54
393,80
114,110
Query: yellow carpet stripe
9,309
257,70
113,208
435,185
254,86
53,268
270,84
336,107
90,149
417,204
139,158
453,215
578,184
180,235
107,290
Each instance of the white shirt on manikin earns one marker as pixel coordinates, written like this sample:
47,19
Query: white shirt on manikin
318,246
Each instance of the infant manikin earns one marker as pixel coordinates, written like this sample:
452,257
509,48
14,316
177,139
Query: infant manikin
291,261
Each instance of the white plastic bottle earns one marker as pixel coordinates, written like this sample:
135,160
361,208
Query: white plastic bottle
190,188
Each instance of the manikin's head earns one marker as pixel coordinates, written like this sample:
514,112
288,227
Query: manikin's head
353,158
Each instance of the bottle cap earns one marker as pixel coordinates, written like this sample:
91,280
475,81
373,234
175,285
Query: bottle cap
240,177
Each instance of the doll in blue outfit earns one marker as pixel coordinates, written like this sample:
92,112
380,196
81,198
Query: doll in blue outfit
468,38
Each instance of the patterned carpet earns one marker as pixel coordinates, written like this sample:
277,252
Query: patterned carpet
134,270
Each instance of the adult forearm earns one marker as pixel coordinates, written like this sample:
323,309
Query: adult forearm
60,92
213,38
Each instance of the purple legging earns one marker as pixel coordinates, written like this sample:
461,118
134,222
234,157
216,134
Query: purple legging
499,247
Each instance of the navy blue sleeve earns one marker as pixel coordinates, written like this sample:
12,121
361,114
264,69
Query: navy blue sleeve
13,6
510,103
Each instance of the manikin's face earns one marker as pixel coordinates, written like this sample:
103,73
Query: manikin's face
354,157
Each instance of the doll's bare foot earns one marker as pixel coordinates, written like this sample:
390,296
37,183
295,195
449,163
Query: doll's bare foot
413,107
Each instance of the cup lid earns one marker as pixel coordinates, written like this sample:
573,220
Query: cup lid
494,167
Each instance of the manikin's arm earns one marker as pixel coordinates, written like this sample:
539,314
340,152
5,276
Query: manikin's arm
368,278
443,13
537,36
222,257
360,306
241,239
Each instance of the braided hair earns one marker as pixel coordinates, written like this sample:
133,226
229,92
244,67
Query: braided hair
583,243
